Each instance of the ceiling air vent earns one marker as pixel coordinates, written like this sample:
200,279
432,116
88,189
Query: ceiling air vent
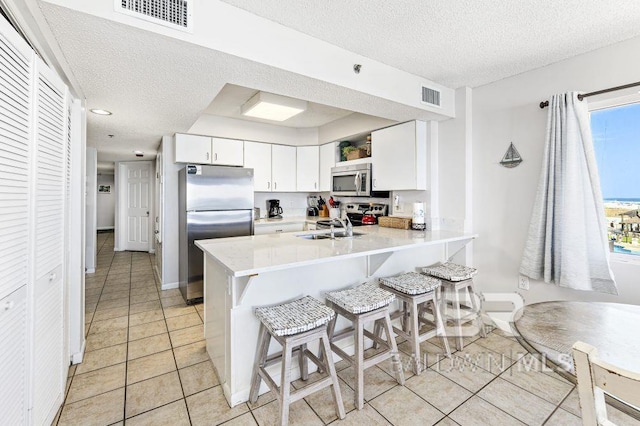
171,13
430,96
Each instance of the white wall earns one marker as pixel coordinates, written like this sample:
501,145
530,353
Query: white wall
77,218
169,228
454,173
106,204
90,209
507,111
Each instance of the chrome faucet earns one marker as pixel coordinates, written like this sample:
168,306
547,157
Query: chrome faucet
348,227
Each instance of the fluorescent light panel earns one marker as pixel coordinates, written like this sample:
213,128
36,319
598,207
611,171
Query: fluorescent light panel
273,107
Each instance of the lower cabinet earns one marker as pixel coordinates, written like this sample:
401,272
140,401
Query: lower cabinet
269,228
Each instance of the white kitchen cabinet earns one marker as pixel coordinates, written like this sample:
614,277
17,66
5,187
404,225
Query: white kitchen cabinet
193,149
399,157
307,168
283,168
227,152
257,156
199,149
276,228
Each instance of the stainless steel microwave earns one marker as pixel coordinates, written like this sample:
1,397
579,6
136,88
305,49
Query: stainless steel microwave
351,181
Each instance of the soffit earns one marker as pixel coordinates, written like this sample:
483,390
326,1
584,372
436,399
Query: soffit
459,42
157,85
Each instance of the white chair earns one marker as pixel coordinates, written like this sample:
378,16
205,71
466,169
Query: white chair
597,377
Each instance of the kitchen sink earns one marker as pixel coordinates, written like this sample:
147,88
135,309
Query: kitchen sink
314,236
338,236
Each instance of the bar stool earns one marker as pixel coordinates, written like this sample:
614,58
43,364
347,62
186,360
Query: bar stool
455,278
364,304
417,291
294,325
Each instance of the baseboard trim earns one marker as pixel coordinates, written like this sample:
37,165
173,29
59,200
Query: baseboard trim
170,286
79,356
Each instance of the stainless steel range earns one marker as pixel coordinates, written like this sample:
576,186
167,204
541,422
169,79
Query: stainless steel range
365,214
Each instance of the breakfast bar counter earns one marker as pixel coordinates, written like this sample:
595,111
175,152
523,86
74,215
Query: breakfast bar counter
241,273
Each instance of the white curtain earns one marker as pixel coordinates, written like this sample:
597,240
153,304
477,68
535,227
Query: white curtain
567,243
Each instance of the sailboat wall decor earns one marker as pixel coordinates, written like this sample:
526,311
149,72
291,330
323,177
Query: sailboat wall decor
511,157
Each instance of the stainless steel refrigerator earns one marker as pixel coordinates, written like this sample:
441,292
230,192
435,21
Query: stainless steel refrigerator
213,202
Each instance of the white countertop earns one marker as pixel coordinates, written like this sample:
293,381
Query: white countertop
243,256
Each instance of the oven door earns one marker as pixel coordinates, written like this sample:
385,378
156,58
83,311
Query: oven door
352,183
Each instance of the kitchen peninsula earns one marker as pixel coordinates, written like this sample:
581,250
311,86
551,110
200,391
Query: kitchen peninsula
242,273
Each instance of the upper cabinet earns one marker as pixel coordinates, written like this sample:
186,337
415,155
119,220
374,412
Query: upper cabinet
399,157
283,168
308,168
227,152
327,161
257,156
207,150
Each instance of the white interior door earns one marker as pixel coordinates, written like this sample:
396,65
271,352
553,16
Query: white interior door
137,207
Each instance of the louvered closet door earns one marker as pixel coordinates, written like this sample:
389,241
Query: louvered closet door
48,353
15,165
13,371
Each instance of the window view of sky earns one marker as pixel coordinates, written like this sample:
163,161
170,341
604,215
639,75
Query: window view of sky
616,138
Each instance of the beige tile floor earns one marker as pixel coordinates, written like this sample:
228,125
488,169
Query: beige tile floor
146,364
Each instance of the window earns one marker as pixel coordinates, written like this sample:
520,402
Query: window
616,139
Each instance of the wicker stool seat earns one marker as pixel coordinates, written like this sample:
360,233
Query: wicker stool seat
417,292
293,325
364,304
451,271
456,278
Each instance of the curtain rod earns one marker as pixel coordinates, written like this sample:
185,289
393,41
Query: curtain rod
598,92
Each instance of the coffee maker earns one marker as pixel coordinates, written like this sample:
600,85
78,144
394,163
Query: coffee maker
274,209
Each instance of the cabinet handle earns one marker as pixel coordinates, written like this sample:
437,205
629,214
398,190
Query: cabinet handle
374,183
207,156
215,157
52,277
9,305
275,185
315,185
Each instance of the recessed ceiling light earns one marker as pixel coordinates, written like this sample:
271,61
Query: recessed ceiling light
273,107
100,111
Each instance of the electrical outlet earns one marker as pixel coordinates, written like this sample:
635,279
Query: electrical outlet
399,208
523,282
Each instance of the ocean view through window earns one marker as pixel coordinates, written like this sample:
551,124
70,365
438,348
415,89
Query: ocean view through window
616,140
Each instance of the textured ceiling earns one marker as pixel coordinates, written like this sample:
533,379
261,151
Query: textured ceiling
459,42
229,101
156,85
